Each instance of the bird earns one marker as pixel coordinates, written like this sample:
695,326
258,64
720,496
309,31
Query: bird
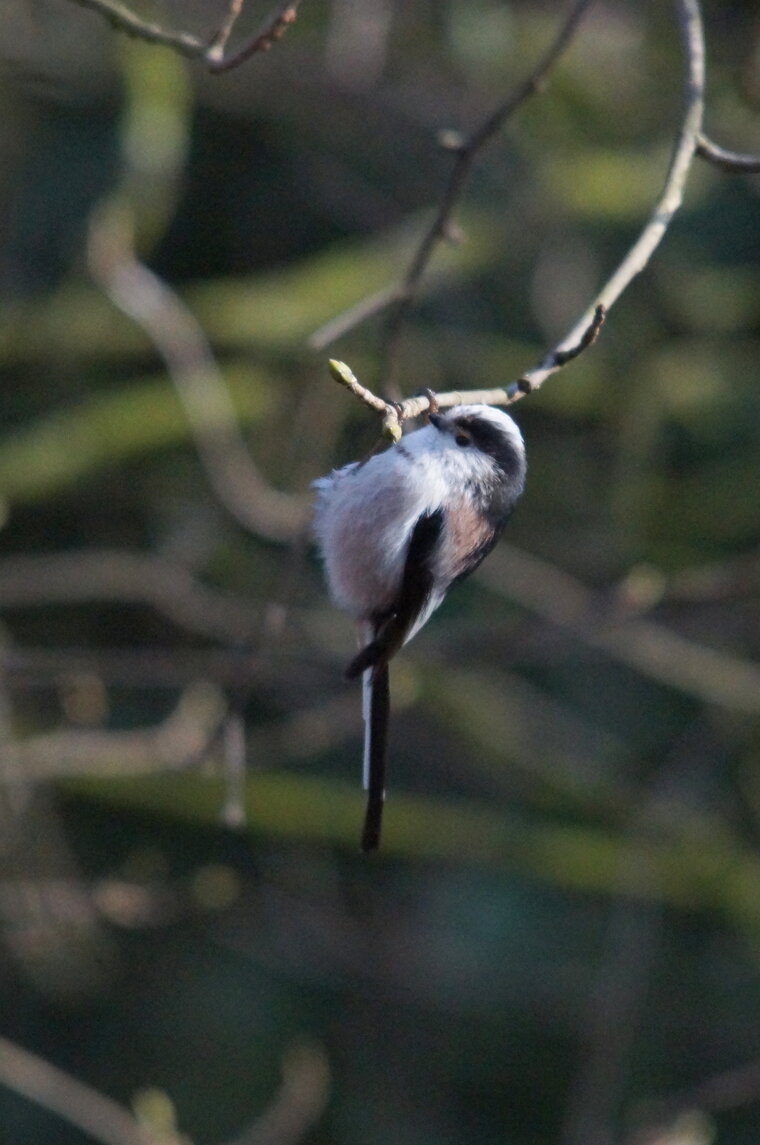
396,531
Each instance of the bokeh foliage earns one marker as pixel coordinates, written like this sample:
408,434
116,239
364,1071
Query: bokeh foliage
563,927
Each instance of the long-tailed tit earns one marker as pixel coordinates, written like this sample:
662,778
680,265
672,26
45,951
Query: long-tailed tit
397,531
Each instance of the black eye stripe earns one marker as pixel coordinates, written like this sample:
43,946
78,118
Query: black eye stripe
493,441
463,439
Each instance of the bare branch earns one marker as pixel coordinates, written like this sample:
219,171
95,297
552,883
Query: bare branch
48,922
180,341
394,413
690,1127
715,677
212,54
734,162
589,336
585,331
704,868
122,576
668,203
219,42
633,937
299,1102
95,1114
559,358
352,317
734,577
466,150
274,30
172,745
122,18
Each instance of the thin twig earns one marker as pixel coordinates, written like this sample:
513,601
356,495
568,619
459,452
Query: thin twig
733,162
394,413
122,18
353,316
173,745
261,42
668,203
346,377
466,151
299,1102
589,336
219,42
558,358
297,1105
179,339
127,577
586,329
212,53
92,1112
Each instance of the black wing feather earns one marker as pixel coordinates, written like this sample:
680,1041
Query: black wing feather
390,629
391,626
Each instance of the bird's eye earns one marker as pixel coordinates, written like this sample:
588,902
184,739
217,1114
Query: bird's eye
463,439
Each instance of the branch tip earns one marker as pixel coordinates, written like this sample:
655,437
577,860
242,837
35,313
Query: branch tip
341,372
452,233
392,428
212,53
589,336
733,162
449,139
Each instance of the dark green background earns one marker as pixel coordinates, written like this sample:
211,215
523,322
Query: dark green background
563,927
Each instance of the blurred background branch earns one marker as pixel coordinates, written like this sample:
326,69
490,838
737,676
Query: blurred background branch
94,1113
299,1103
731,161
128,578
294,1109
211,53
190,364
708,673
563,932
465,150
688,142
177,743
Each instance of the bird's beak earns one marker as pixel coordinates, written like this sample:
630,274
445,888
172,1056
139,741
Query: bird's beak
438,421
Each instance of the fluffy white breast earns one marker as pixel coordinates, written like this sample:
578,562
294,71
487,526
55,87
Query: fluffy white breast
363,519
365,512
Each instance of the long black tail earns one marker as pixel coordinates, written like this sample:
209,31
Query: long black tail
376,732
